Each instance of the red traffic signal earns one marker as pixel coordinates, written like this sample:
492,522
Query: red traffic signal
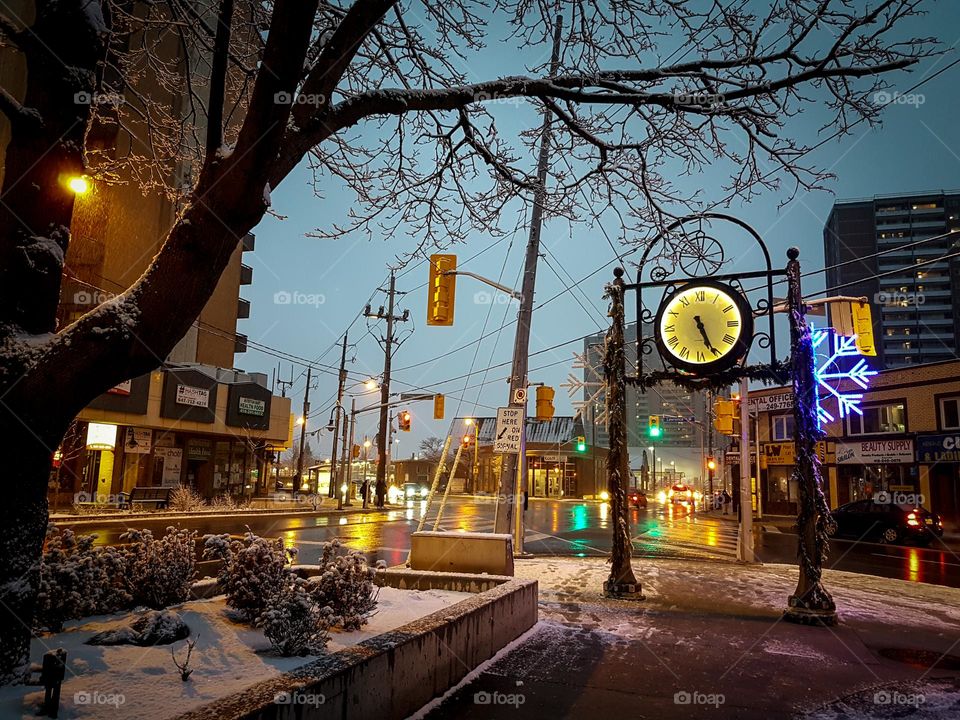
404,420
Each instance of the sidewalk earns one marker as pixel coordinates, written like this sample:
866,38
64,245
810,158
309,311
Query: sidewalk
709,642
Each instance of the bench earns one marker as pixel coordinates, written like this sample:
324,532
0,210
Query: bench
159,497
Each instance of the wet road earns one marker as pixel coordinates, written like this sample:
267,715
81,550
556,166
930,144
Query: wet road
563,528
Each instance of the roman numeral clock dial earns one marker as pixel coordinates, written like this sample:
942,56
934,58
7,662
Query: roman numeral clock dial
703,327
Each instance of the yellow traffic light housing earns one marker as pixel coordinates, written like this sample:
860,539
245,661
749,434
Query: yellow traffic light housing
711,464
442,289
581,444
863,327
545,407
403,420
438,402
723,414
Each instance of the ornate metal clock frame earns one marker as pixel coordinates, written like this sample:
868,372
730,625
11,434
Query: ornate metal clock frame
700,256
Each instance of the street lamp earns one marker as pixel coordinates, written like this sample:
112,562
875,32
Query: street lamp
79,184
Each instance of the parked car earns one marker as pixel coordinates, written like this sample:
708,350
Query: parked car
887,522
637,498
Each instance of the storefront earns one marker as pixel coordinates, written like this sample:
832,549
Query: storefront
779,488
210,429
939,458
553,476
866,467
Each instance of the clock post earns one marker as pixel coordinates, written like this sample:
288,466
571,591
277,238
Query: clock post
704,329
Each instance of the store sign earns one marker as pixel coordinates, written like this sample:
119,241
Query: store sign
875,452
252,406
172,461
138,441
555,458
938,448
123,388
101,436
194,396
199,449
782,453
771,403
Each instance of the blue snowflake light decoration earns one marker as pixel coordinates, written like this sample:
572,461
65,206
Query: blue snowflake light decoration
829,375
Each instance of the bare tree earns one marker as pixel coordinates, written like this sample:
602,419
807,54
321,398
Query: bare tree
377,94
431,448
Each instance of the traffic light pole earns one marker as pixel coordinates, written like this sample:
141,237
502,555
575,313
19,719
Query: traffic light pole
745,552
337,412
513,477
298,478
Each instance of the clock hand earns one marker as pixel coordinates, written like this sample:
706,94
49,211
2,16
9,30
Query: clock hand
703,331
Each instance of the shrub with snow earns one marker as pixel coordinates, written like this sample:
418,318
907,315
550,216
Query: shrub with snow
223,502
185,499
254,569
159,572
77,579
345,586
292,622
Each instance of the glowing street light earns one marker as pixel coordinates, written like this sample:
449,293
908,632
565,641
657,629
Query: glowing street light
79,184
301,420
371,384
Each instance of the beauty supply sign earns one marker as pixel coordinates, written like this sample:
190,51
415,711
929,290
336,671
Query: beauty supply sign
875,452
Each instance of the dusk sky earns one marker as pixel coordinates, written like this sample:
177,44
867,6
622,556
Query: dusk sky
915,150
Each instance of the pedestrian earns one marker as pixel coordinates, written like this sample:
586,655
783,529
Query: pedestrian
364,489
727,501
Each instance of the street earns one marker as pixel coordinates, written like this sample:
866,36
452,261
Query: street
562,528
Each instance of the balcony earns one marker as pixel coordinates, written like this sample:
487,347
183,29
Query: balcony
240,343
246,274
249,242
243,308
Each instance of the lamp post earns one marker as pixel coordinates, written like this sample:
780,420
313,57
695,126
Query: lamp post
366,483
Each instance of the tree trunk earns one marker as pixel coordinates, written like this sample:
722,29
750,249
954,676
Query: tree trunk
23,525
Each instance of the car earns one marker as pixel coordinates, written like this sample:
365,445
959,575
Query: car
887,522
681,494
415,491
637,498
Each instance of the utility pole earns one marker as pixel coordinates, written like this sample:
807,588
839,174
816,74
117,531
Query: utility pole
745,538
385,387
337,412
298,478
513,477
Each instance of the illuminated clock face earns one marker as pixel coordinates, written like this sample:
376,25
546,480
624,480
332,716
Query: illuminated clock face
703,327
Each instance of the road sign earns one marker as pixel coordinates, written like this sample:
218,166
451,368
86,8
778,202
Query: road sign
506,438
520,396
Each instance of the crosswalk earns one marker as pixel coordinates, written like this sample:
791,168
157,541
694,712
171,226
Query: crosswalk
689,538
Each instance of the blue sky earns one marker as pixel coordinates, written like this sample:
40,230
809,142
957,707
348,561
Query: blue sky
916,149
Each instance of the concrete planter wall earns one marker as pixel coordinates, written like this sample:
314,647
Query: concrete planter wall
394,674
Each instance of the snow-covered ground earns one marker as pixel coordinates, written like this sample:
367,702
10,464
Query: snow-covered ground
143,683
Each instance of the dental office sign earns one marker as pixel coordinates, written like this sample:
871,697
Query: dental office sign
193,396
875,452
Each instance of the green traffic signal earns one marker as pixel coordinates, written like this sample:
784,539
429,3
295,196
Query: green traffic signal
581,444
653,432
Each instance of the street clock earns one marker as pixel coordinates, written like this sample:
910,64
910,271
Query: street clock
703,326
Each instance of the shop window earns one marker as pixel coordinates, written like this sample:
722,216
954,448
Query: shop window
782,427
878,420
950,413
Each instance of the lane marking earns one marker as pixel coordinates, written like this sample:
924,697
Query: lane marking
934,562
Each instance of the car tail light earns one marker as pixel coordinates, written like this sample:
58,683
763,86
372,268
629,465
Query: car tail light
912,519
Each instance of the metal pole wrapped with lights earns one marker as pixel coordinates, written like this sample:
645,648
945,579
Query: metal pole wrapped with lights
810,603
621,583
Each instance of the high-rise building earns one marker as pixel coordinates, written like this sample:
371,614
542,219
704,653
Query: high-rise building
880,248
681,411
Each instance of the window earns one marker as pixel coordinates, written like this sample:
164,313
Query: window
782,427
878,419
950,413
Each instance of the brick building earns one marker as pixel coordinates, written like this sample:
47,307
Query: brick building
906,440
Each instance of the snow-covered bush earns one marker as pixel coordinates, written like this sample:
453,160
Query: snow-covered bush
159,572
253,570
345,586
223,502
185,499
77,579
292,622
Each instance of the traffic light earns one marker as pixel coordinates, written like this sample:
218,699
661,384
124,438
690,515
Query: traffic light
438,407
863,326
403,420
442,289
355,452
723,413
653,427
545,402
711,464
581,444
467,440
